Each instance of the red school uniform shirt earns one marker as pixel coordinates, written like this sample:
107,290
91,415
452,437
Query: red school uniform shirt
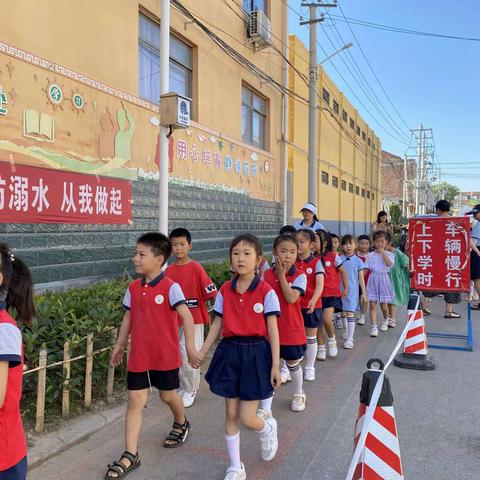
244,314
366,272
197,287
154,324
291,328
13,446
331,263
311,266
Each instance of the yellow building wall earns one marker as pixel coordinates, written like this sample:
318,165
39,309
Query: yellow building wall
92,48
341,152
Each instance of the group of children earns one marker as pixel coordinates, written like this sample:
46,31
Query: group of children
271,319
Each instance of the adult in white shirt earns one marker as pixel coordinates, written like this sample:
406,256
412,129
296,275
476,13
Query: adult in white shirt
310,220
475,255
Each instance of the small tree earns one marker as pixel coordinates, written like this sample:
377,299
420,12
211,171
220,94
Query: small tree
395,214
445,191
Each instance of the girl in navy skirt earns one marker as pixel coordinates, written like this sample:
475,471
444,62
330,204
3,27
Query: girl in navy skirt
289,284
332,295
311,302
245,366
16,292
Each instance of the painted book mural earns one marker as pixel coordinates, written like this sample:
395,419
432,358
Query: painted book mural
97,140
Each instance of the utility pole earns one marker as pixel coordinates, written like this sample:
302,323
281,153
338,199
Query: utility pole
312,98
405,188
163,133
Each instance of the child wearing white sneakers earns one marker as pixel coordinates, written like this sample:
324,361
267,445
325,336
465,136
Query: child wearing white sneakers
355,269
379,287
363,249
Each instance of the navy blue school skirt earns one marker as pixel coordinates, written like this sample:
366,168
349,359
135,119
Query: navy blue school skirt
314,319
241,368
17,472
332,302
292,352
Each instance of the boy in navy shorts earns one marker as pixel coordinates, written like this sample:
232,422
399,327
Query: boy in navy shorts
154,304
198,288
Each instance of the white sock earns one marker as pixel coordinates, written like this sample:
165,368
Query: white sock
311,353
266,404
265,430
233,450
350,327
331,339
297,378
284,367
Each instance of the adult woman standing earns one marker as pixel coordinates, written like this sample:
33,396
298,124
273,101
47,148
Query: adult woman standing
310,220
475,255
382,224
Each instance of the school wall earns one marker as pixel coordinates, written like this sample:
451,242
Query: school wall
94,50
341,153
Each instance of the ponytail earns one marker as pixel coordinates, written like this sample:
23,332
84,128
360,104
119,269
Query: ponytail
17,284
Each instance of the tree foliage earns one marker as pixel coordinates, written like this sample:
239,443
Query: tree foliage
445,191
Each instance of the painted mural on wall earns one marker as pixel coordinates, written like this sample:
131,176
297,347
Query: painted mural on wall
51,117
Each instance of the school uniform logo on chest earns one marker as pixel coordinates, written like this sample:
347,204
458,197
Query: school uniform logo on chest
159,299
328,263
258,308
309,270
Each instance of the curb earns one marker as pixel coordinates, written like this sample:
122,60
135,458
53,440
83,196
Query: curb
49,444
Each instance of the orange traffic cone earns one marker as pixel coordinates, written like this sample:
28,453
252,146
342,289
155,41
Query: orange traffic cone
380,456
415,351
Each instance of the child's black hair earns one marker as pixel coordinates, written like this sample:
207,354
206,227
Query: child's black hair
284,238
159,243
347,239
334,235
16,289
181,233
308,233
363,237
388,237
379,234
248,239
324,237
287,230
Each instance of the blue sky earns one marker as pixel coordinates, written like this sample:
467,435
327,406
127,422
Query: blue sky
432,81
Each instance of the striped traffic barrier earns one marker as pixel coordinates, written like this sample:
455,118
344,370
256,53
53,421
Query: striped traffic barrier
415,351
380,455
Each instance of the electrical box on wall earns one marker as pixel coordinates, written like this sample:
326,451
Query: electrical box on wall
174,110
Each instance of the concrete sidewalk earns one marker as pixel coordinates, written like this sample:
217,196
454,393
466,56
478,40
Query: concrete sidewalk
436,416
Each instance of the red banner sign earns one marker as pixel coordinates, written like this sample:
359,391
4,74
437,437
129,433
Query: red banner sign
40,195
440,253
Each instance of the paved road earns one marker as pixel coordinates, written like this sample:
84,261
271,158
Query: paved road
436,412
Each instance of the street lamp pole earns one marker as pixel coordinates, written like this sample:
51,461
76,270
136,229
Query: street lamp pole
163,132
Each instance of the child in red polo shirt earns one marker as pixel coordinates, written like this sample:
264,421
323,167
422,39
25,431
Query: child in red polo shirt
13,447
198,288
153,303
311,302
289,284
245,366
332,295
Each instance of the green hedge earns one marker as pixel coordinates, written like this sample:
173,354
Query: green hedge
71,316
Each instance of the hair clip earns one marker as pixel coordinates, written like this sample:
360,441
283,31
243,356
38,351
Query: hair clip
12,256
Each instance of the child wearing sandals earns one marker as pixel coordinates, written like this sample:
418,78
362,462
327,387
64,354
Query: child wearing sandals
153,304
311,302
289,284
245,366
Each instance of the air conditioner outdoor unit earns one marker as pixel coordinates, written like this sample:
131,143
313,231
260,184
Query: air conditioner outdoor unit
259,29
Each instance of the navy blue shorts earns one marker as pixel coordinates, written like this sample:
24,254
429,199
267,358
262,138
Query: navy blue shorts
314,319
292,352
332,302
17,472
241,368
